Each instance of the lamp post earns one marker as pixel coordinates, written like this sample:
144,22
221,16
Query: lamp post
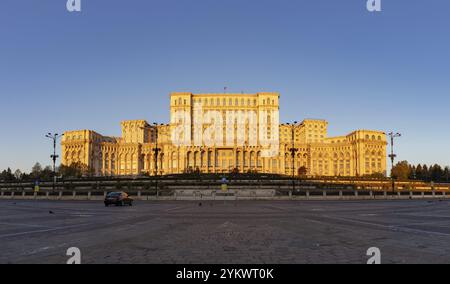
393,135
54,137
156,150
293,150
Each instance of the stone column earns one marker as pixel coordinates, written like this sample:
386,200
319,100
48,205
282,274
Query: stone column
103,163
241,160
110,169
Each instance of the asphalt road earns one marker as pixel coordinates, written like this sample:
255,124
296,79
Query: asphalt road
408,231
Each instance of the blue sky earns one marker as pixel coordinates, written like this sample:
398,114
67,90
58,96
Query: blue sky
119,59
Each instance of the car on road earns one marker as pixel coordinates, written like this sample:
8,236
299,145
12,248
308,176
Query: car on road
118,199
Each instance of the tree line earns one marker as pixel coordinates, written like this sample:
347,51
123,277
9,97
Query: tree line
436,173
75,170
401,171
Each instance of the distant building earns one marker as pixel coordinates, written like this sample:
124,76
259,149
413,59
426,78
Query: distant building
362,152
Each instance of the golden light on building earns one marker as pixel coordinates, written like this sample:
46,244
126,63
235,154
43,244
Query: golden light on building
362,152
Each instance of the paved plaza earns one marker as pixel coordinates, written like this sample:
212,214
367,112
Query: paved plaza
254,232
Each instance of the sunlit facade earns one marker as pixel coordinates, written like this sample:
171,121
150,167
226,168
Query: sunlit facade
362,152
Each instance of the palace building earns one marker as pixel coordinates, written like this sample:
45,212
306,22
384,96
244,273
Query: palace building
301,148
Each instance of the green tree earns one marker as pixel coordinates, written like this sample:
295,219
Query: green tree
7,175
401,171
36,170
419,172
74,170
412,172
47,173
446,174
425,173
436,173
18,174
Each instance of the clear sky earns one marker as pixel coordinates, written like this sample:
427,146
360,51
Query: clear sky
119,59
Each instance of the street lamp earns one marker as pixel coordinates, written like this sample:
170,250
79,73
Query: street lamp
54,137
293,150
156,150
393,135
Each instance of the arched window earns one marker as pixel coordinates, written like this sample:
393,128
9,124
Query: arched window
258,160
106,162
188,158
238,160
161,163
113,163
209,158
174,160
127,162
195,159
245,159
133,162
202,159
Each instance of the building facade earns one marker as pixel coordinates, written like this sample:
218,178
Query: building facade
303,148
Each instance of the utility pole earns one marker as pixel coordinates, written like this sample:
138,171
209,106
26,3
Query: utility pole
392,156
293,150
54,137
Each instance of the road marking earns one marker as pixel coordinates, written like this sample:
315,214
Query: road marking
82,215
41,231
24,225
174,208
399,228
416,215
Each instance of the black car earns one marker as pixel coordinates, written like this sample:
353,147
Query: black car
118,199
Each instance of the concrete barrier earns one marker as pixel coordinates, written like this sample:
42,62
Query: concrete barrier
232,194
